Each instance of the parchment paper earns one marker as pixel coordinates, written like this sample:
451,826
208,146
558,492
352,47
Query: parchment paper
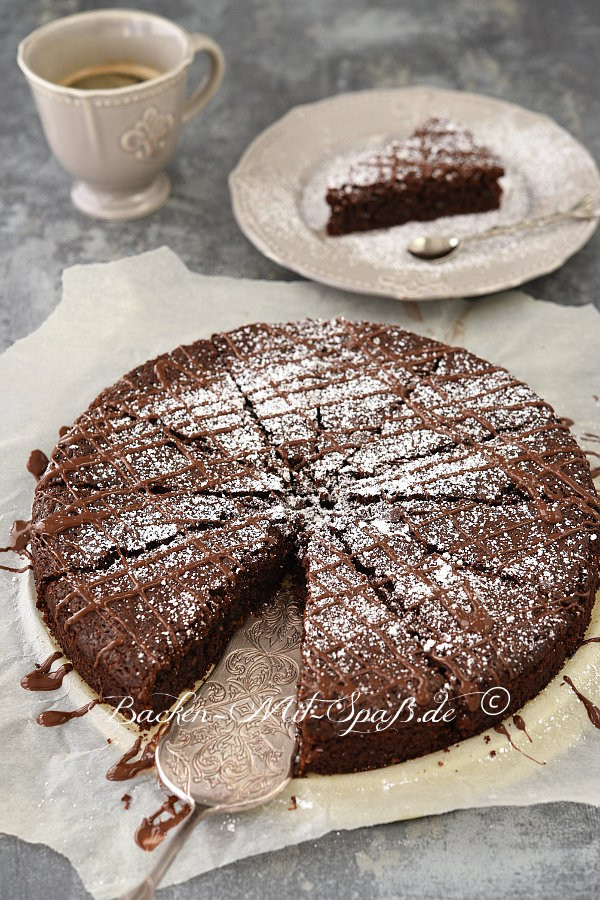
116,315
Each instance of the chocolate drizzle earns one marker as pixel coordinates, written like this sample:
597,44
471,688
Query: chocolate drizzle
52,717
127,767
596,470
502,729
443,516
154,828
520,724
594,439
591,640
429,174
591,709
42,679
17,570
112,645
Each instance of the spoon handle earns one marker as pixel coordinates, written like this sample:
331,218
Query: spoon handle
146,890
582,209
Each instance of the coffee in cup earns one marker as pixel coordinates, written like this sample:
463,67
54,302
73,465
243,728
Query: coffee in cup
110,90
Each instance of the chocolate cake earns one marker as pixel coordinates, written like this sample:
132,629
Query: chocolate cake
438,171
440,518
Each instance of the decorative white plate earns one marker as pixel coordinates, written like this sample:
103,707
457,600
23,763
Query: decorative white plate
278,194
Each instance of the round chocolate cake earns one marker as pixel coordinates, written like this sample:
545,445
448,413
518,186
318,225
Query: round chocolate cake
437,516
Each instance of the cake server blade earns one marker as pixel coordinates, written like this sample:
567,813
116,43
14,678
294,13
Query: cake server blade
231,747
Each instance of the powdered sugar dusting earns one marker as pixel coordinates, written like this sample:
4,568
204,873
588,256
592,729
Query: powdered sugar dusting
441,512
525,192
441,144
279,193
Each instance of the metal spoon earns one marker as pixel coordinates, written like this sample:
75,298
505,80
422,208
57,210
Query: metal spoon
439,246
225,752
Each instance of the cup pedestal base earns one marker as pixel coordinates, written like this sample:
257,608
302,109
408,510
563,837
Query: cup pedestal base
119,206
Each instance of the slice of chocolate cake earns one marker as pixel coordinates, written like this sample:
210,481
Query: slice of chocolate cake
438,171
442,518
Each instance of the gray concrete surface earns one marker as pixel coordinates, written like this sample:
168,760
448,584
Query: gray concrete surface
543,55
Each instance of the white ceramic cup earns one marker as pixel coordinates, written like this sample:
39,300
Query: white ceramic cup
116,142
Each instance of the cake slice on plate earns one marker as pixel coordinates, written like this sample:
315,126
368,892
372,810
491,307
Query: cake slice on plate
438,171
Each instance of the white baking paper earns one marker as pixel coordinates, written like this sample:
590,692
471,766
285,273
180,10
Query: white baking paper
116,315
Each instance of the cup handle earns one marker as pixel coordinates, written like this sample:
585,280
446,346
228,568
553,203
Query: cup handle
210,84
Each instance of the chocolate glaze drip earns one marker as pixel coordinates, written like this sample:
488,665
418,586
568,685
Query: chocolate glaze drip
153,830
20,535
126,799
591,640
20,532
502,729
42,679
520,724
37,463
591,709
124,769
51,717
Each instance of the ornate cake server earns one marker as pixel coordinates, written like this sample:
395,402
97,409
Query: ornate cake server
233,743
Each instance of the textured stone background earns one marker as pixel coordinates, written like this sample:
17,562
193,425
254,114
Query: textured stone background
543,54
